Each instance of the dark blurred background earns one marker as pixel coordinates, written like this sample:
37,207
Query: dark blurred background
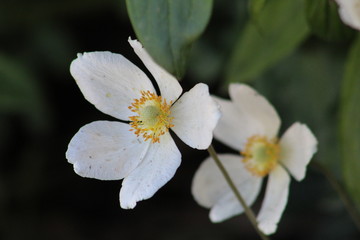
41,108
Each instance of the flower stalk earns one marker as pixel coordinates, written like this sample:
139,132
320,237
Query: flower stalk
249,213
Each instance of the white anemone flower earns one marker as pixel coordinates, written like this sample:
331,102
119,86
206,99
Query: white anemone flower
250,125
141,151
349,11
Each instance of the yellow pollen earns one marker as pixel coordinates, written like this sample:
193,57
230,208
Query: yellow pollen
260,155
153,116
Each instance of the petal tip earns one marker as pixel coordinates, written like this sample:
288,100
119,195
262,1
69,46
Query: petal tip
126,201
127,205
267,228
134,43
214,218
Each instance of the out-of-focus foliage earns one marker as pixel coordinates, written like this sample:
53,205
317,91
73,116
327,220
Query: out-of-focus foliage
167,29
324,21
305,87
210,54
275,30
20,93
255,7
267,42
350,123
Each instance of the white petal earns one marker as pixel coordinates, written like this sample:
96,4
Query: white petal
261,115
349,11
210,189
158,167
227,206
298,145
195,117
105,150
276,196
109,81
170,88
233,128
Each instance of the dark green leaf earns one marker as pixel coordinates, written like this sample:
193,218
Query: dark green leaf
279,28
167,28
350,123
324,21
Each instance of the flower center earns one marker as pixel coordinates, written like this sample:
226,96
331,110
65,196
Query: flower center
260,155
153,116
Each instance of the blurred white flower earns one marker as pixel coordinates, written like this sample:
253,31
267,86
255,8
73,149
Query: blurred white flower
349,11
142,152
250,125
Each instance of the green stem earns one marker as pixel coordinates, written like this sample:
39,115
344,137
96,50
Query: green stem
353,212
249,213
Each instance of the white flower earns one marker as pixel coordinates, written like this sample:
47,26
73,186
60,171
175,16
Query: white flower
349,11
143,152
250,125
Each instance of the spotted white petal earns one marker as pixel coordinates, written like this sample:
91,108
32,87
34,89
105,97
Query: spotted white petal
157,168
170,88
260,114
210,189
276,196
109,81
298,145
195,117
233,128
105,150
349,11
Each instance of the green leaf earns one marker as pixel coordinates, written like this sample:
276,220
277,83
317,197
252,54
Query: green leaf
279,28
255,7
350,123
324,21
167,28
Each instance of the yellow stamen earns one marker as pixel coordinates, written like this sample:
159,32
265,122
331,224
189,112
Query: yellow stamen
260,155
153,116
